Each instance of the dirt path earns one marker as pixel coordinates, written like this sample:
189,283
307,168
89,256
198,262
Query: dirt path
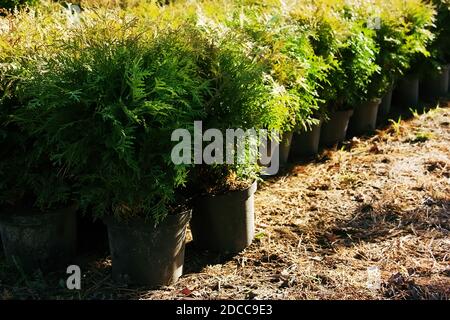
381,201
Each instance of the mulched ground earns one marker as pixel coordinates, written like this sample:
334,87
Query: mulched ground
376,202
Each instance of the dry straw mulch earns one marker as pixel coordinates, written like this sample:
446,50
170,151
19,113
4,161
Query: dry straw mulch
381,201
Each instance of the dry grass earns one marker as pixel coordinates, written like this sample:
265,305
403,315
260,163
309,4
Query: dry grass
379,201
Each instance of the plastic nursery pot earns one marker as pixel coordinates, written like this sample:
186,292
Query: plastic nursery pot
306,143
224,223
406,93
145,254
92,234
364,118
386,103
436,85
39,240
335,129
285,147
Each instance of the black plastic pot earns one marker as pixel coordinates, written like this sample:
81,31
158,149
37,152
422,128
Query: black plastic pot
306,143
335,129
145,254
436,85
285,147
406,93
39,240
224,223
281,150
92,235
364,118
386,103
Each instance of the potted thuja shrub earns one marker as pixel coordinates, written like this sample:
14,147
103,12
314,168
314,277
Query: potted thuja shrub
391,57
225,181
348,85
109,112
285,52
320,48
341,52
306,73
37,194
37,207
361,71
435,70
300,71
398,44
416,37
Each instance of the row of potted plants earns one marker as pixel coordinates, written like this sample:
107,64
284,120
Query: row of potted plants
387,55
93,108
89,103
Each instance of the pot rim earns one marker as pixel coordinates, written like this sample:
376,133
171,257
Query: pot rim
140,223
370,102
348,111
21,216
250,189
